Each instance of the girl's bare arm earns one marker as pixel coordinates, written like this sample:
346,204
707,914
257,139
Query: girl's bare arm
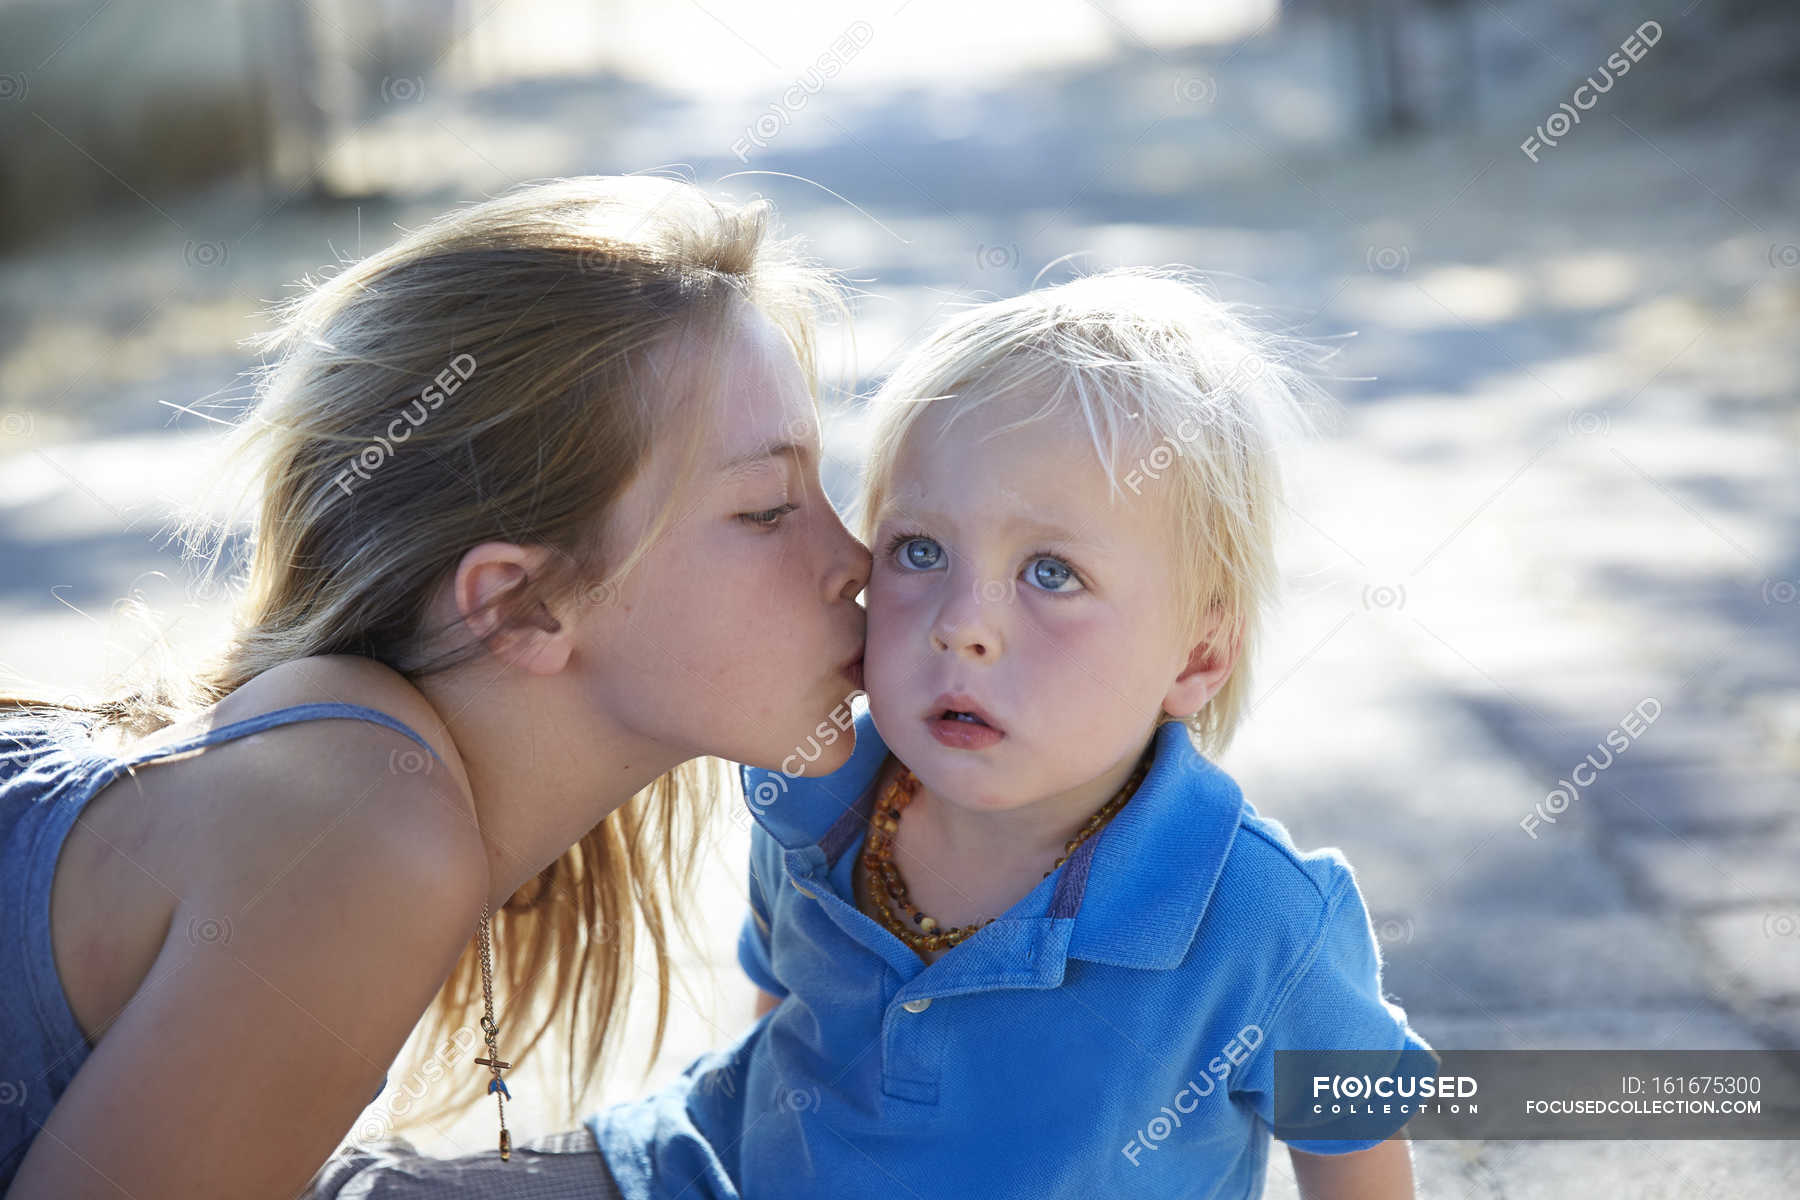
290,976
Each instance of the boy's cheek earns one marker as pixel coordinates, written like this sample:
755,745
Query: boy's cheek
895,619
887,608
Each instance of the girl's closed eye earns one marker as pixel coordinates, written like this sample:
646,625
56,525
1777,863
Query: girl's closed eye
768,518
918,552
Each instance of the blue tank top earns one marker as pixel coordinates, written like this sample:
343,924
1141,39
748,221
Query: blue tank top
49,770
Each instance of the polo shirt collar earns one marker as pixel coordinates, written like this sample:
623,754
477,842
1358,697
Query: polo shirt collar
1136,891
1151,870
798,811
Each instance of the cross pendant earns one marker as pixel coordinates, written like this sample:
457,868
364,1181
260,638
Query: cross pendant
493,1062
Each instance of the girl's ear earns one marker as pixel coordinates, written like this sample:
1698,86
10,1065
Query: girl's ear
535,640
1209,665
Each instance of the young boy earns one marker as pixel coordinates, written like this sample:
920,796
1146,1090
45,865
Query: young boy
1030,941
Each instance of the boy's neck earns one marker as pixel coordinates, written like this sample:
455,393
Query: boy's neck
1008,841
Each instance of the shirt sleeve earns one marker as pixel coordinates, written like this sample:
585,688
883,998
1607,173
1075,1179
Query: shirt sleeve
1334,1003
754,940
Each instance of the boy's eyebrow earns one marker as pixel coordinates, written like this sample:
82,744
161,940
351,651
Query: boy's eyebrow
743,464
1042,529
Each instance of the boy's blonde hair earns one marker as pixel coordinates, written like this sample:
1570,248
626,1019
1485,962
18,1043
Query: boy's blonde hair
1178,388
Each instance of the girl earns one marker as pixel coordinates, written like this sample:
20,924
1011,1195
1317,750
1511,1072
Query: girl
540,527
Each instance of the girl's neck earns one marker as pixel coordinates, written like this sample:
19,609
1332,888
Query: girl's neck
536,787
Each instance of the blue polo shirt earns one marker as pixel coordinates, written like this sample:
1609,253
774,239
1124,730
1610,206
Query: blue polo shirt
1111,1034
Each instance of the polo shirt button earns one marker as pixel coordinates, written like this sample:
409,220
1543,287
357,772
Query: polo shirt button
801,890
917,1006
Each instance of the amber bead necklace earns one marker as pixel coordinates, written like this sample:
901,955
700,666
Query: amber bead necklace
881,874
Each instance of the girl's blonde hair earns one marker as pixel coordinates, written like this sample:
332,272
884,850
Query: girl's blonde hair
534,316
1183,391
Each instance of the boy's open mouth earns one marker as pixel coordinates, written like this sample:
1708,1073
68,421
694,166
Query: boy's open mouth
957,719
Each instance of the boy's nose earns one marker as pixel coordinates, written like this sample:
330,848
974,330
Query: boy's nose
970,613
968,636
974,647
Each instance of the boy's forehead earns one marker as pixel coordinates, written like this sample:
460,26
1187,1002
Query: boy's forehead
1011,445
1015,453
1072,527
1067,500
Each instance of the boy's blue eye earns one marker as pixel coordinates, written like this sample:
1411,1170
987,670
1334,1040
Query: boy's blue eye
1051,580
919,552
1046,572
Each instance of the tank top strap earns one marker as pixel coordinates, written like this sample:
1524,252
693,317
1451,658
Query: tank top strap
280,716
25,735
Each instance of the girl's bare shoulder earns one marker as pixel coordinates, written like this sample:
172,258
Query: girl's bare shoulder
295,814
327,678
332,774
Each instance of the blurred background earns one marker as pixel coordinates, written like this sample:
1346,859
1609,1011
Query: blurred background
1565,298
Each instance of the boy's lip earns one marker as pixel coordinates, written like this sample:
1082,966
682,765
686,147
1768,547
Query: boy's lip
961,702
853,670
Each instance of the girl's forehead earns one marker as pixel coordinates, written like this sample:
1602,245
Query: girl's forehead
758,390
